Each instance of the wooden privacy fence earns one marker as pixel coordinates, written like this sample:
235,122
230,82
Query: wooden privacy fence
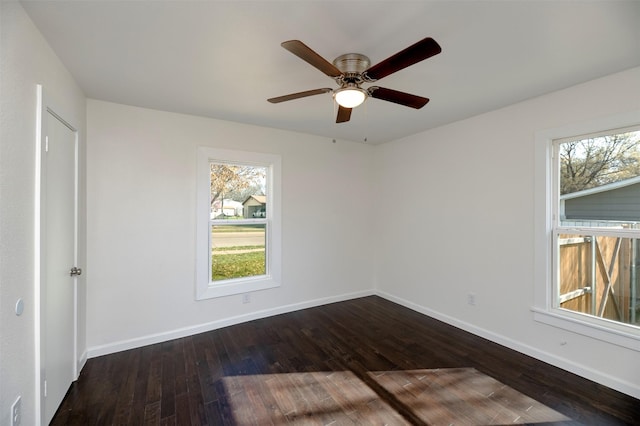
598,276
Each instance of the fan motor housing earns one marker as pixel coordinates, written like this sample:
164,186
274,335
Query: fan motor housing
352,63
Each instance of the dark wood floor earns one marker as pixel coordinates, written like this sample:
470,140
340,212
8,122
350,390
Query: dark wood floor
364,361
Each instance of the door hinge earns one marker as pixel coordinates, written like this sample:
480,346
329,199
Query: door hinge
45,388
46,144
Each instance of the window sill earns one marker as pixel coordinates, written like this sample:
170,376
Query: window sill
596,328
236,286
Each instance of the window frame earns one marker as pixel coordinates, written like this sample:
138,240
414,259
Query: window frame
205,287
546,210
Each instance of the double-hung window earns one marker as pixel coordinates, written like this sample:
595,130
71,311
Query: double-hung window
238,222
592,237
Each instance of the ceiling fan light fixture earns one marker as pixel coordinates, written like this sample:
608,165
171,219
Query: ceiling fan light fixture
350,97
351,70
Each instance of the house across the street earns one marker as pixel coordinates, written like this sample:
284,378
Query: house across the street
255,206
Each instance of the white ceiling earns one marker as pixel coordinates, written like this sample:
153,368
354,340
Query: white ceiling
223,59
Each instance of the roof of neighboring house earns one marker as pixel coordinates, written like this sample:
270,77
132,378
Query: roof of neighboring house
228,203
603,188
262,199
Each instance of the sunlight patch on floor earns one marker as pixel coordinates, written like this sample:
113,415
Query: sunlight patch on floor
463,396
448,396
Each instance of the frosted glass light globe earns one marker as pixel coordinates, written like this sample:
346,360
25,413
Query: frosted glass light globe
350,97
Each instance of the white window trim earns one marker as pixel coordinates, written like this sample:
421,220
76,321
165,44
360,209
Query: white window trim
543,311
205,288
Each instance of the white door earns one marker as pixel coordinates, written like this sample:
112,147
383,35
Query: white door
57,298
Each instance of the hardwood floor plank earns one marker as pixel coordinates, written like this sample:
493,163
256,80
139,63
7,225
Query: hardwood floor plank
217,414
183,415
197,411
168,387
263,385
154,381
136,414
126,392
362,361
152,414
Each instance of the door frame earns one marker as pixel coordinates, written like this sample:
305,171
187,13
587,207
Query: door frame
45,106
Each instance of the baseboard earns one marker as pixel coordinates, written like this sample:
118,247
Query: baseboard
151,339
631,389
81,362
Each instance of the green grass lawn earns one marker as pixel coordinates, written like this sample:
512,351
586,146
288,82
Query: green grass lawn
237,228
237,265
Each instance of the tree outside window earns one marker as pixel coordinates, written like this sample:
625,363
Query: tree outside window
596,161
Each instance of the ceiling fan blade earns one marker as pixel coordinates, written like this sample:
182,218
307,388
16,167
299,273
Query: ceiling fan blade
299,95
305,53
413,54
397,97
344,114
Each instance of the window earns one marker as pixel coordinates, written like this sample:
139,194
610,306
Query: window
596,234
588,229
238,228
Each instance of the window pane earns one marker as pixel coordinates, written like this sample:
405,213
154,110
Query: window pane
238,191
597,161
598,276
599,180
238,251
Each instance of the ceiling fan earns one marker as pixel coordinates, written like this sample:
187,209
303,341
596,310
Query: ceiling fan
351,70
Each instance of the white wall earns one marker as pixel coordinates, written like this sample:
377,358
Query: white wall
470,228
141,230
25,60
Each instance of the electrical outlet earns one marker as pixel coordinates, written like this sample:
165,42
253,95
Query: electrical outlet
246,298
16,412
471,299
